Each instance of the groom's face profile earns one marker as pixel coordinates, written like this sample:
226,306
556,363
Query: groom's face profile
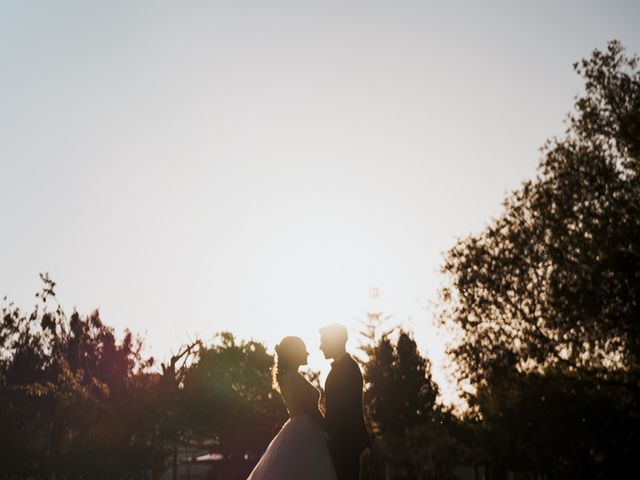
325,347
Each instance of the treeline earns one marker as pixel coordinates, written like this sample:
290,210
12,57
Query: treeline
78,404
545,301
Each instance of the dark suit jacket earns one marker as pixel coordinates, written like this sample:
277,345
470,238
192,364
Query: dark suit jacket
344,420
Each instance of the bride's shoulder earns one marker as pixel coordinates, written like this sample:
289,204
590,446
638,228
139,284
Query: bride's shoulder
290,379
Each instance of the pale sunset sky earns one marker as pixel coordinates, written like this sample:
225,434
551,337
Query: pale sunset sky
257,167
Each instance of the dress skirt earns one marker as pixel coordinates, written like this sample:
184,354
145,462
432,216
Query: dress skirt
298,452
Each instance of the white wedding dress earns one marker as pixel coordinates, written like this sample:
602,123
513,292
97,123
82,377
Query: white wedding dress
299,451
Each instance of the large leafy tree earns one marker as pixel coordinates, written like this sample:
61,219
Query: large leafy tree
555,279
228,397
547,296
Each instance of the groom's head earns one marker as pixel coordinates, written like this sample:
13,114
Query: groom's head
333,340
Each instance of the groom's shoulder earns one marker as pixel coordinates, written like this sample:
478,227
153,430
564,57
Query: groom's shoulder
355,364
350,360
348,363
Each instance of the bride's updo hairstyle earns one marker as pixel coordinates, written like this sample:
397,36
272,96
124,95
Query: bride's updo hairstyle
289,353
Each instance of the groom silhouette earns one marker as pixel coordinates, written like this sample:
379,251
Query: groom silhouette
344,420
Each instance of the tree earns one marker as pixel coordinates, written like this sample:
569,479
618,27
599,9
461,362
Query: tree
551,287
76,402
400,401
554,280
228,397
400,391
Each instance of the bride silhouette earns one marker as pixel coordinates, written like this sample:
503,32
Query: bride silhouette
299,450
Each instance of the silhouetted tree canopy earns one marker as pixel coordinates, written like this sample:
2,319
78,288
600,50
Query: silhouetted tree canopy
554,280
400,391
228,395
547,297
410,430
76,403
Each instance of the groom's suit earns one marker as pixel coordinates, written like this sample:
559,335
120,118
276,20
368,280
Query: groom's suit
344,420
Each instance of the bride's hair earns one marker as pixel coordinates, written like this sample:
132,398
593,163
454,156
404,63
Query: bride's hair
286,359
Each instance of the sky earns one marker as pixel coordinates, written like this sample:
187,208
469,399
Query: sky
258,167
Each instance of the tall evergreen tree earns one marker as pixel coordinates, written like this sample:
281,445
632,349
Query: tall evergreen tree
401,392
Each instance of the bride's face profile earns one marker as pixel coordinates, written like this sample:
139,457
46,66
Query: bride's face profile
304,357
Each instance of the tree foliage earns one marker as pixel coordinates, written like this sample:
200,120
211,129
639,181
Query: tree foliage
228,395
547,296
400,391
412,433
76,402
555,280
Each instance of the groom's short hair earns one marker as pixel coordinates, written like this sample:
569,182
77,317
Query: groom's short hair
335,332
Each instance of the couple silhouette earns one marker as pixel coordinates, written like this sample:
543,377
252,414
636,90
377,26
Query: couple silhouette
311,446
